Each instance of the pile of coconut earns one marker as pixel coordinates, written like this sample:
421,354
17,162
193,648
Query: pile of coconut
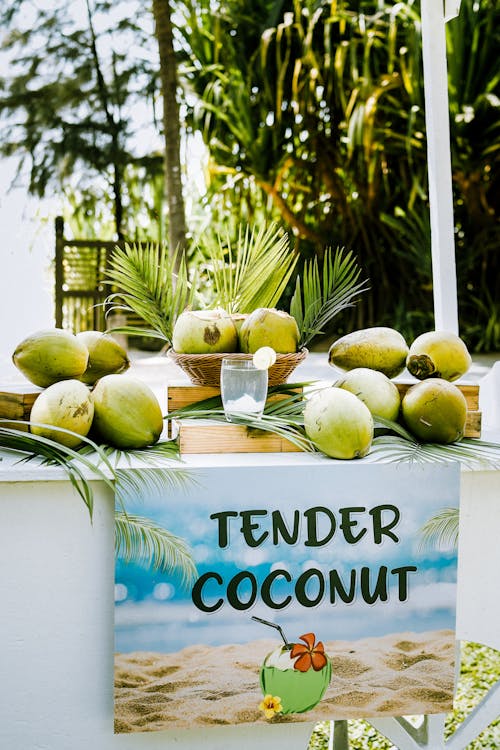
340,420
217,332
85,390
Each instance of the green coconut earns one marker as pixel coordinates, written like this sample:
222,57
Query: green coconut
106,356
435,411
238,320
67,405
298,691
338,423
127,414
267,326
50,355
438,354
375,389
378,348
204,332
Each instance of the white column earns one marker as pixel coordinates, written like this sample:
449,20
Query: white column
439,165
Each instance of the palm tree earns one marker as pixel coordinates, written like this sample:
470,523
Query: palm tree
162,13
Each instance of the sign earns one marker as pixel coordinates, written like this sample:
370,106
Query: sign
314,599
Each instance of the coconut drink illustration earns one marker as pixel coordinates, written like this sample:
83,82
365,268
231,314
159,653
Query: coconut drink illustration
295,676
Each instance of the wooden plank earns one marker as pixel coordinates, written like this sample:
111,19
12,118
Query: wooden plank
473,424
211,437
16,401
179,396
470,391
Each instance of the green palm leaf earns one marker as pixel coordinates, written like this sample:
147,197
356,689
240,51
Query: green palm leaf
441,531
139,539
254,271
321,295
50,452
472,454
152,478
150,288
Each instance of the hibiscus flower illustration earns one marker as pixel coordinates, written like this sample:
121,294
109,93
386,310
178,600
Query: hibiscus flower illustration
311,655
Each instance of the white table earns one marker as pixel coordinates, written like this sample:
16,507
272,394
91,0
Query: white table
56,628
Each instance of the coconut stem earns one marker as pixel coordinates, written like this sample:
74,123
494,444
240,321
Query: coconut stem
272,625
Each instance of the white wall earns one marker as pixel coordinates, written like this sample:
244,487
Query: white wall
25,277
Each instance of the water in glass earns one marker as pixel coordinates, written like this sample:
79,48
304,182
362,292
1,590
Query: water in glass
243,388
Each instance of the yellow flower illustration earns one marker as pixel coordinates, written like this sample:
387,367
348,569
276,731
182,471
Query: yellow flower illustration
271,705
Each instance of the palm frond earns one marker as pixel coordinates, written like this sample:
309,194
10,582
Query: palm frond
321,295
441,531
150,287
133,485
254,272
472,454
49,452
141,540
152,478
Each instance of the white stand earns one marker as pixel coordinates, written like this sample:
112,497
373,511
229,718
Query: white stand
439,165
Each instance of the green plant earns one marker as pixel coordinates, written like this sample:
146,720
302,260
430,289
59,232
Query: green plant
140,540
315,110
154,286
321,295
254,271
50,452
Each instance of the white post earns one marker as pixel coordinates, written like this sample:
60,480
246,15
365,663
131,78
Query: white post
439,165
451,9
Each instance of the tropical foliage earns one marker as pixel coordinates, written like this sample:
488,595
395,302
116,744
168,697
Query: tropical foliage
154,287
240,278
318,107
251,272
69,103
312,113
321,295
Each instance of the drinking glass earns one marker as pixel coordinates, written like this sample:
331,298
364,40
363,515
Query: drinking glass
243,388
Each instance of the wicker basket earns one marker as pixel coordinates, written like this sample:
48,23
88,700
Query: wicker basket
204,369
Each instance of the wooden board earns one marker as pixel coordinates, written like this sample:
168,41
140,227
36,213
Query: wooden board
184,395
212,437
16,403
473,424
179,396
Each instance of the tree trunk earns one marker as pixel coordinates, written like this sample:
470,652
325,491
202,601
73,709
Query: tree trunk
171,126
114,130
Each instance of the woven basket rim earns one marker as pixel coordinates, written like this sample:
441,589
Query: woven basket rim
233,355
204,369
